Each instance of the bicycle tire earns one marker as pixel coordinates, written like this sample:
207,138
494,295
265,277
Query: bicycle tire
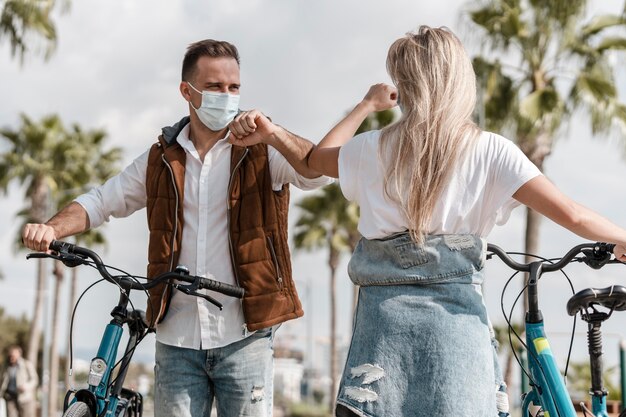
78,409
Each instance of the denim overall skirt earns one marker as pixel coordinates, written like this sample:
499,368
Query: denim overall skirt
421,343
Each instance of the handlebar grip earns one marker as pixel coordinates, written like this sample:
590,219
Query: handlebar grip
60,246
221,287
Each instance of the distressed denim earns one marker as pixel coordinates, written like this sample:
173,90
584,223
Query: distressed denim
238,376
421,343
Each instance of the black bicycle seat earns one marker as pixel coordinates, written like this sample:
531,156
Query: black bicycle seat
613,297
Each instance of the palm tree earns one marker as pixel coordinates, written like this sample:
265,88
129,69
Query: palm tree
49,159
26,21
329,220
33,161
87,164
561,64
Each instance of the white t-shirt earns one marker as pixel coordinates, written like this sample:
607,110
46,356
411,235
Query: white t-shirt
478,196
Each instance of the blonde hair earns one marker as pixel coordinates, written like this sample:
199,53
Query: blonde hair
437,93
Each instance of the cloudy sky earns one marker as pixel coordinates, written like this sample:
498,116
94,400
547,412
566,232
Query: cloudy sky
117,67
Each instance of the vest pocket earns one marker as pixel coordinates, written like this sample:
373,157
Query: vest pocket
279,277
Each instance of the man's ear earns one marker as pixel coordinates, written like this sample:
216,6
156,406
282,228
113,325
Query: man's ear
185,91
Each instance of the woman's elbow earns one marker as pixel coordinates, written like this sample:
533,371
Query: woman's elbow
573,218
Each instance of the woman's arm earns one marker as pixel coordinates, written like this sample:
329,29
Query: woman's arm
542,196
324,157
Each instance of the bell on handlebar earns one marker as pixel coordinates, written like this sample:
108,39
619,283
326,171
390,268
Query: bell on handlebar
182,269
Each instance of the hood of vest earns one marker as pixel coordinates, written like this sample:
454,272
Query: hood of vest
170,133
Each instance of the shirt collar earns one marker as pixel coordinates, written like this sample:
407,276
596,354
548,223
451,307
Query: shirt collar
186,143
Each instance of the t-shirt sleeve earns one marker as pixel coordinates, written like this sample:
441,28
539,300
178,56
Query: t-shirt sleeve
350,165
282,172
512,169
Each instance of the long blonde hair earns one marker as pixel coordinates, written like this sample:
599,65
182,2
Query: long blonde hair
437,94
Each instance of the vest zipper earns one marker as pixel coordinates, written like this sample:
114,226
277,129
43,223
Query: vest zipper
279,277
230,239
171,268
171,171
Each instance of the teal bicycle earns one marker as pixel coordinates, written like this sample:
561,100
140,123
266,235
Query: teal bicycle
548,395
105,394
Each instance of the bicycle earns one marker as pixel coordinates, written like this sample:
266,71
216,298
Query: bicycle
548,391
105,395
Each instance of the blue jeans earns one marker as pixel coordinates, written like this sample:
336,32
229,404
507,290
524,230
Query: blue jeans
238,376
421,344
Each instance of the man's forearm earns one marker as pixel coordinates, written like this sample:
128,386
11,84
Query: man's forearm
295,150
71,220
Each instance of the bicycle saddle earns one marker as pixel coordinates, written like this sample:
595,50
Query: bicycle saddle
613,297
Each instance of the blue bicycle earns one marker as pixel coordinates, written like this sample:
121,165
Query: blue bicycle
105,395
549,396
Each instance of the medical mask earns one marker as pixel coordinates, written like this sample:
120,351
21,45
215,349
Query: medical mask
217,110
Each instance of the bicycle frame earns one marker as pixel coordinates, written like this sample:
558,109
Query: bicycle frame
548,386
100,399
103,399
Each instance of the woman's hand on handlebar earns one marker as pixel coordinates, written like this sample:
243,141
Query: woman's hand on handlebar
620,252
38,237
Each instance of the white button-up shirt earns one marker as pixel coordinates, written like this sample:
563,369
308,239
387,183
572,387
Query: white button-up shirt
192,322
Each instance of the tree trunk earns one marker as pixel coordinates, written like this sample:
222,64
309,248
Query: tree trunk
34,333
508,369
531,240
332,263
53,386
536,149
69,379
38,212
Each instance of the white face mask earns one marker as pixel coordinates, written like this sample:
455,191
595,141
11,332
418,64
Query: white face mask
217,110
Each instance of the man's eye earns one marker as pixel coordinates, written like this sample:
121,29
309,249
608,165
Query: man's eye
234,88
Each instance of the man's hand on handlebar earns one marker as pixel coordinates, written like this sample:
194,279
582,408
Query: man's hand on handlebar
38,236
620,252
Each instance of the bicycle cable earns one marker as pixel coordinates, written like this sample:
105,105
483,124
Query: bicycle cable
126,275
509,317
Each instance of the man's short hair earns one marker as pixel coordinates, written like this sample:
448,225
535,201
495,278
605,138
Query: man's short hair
207,47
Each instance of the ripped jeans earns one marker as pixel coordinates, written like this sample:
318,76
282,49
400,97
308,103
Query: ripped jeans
421,343
238,376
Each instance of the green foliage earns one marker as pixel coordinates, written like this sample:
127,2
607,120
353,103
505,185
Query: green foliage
559,62
307,410
13,331
28,26
579,381
62,161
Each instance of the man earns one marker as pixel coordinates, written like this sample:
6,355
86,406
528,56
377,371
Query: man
19,382
220,210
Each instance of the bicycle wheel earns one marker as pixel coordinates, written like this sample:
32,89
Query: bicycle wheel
78,409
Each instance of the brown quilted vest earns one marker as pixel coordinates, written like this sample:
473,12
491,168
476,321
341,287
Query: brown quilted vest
258,231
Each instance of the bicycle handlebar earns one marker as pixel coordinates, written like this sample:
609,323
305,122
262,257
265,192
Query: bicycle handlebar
73,255
596,255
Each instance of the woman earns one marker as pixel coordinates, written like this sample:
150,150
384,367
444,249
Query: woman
430,188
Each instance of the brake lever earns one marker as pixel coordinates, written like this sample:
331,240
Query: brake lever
597,257
68,259
191,290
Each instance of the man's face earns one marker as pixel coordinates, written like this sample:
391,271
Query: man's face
218,75
14,355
